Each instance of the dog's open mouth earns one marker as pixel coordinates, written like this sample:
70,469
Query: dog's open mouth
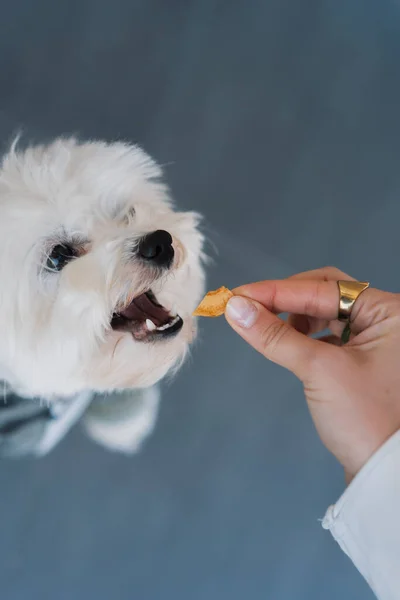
145,318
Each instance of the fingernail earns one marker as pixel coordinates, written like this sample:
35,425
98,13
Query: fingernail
241,311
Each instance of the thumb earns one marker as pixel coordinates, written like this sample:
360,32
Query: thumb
271,336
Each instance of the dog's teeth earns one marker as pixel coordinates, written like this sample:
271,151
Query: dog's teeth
168,325
150,325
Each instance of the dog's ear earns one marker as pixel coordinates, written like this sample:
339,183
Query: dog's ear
121,421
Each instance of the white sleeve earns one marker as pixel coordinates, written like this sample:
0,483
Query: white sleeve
366,521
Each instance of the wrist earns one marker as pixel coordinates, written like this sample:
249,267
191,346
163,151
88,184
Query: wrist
364,454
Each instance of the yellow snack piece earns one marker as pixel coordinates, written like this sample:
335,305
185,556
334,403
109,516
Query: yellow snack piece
214,303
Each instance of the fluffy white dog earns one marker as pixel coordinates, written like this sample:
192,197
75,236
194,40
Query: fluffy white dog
99,277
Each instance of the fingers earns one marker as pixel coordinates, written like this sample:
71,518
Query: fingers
371,307
312,301
311,325
316,300
313,298
325,274
272,337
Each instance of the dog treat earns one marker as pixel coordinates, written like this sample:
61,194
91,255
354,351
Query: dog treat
214,303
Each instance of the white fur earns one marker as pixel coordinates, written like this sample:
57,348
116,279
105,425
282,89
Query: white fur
56,338
124,423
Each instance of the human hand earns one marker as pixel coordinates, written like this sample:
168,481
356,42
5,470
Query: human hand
352,391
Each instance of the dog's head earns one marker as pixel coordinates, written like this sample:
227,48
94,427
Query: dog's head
98,274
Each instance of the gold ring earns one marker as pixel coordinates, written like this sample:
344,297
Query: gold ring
349,291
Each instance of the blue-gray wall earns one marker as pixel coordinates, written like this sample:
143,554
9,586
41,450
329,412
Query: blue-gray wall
279,120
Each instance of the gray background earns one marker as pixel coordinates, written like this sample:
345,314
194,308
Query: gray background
279,121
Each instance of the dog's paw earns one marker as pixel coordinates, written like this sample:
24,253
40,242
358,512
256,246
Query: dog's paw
121,421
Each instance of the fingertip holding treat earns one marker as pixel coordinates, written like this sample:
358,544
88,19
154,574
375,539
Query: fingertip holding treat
238,310
241,312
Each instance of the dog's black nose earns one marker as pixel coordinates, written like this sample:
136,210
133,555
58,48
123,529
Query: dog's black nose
156,247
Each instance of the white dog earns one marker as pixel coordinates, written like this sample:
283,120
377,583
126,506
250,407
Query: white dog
99,277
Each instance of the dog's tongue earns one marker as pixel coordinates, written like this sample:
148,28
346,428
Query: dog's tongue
143,307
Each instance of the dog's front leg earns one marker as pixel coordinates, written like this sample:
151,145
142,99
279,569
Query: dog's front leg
121,421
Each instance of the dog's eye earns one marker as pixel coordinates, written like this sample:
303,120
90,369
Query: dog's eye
59,257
